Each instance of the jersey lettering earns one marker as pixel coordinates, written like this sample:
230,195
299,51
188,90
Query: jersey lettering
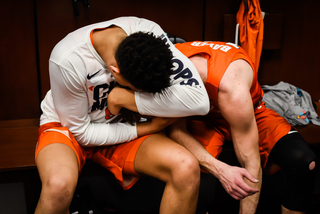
190,82
196,43
179,71
224,48
184,73
97,90
164,38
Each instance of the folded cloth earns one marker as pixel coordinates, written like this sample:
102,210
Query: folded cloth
290,102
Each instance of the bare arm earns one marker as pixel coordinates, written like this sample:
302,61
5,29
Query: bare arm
124,98
231,177
235,104
155,125
120,97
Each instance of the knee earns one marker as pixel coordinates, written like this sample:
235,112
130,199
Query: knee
186,173
313,162
310,162
312,165
59,189
307,165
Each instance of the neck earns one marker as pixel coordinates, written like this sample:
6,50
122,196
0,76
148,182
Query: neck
106,41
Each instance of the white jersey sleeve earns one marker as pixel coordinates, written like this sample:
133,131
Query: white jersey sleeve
80,83
187,94
71,106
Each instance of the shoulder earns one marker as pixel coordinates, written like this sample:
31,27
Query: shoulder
238,75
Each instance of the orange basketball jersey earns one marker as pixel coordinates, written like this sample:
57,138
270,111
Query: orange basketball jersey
219,56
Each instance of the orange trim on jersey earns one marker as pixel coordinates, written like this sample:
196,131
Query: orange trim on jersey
47,135
91,34
91,37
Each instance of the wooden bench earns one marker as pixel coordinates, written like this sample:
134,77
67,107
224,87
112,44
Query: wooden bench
18,139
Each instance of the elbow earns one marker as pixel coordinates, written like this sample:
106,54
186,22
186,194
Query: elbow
203,107
203,104
82,143
204,110
81,139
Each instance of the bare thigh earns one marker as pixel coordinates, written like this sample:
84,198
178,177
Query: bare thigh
158,156
57,160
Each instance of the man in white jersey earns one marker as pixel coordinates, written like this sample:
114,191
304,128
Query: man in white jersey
76,123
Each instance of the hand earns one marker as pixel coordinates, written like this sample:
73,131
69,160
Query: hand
232,180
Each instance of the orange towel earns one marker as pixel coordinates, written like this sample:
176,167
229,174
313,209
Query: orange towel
251,30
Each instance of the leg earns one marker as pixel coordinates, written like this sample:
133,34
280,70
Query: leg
297,159
162,158
58,169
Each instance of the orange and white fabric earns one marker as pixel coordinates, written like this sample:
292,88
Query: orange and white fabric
118,159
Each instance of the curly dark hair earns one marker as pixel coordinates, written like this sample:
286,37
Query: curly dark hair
145,61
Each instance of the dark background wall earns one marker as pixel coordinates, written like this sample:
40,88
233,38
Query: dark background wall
31,28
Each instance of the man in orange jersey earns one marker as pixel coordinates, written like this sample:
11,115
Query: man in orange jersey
259,135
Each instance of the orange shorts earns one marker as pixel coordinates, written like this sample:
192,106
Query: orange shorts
212,133
119,159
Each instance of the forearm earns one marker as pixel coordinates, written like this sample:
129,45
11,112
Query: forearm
245,138
121,98
99,134
250,203
155,125
231,177
179,134
249,157
174,101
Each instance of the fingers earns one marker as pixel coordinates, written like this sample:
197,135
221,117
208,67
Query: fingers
250,177
238,188
237,195
242,190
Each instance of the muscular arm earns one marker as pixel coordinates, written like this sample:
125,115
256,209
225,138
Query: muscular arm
231,177
235,104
